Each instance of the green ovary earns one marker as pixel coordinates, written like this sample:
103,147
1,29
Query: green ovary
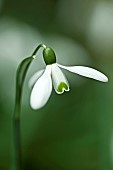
49,56
62,86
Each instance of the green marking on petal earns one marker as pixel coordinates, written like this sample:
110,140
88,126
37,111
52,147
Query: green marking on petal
62,86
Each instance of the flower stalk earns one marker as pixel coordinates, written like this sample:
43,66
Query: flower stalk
20,78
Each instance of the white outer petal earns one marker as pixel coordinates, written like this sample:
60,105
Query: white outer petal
58,77
34,78
87,72
41,90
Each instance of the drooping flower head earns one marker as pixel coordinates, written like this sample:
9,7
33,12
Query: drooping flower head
42,80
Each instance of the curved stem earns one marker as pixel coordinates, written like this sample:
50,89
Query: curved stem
35,51
20,78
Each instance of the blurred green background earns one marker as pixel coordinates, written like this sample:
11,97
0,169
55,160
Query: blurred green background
75,130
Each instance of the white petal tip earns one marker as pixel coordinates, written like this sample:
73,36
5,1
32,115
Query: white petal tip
105,80
35,107
37,103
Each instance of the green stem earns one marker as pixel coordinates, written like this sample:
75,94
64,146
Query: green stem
17,144
41,45
20,78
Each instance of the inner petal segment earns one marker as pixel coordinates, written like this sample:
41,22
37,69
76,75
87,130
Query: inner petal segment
60,82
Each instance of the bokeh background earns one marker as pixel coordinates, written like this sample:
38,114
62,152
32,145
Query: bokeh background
74,131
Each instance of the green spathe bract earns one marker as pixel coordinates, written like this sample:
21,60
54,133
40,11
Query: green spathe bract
49,56
61,87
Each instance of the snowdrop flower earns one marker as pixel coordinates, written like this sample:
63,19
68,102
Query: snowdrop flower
42,81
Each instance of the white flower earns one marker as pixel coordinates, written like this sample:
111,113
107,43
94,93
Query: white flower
41,82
